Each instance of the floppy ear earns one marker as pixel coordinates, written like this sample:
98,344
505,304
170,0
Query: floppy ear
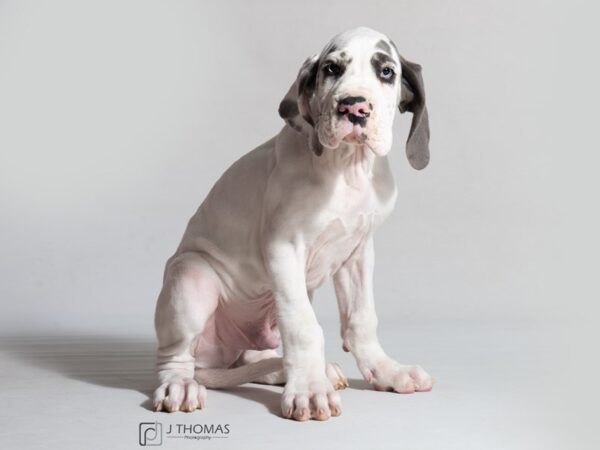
295,106
413,100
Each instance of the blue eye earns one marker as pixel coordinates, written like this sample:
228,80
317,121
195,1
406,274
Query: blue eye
386,73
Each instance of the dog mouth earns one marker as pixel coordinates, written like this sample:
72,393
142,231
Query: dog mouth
349,132
336,130
368,129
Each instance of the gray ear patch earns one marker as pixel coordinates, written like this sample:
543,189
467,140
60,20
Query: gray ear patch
295,106
315,145
413,100
288,108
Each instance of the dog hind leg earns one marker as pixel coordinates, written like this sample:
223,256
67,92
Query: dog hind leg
189,296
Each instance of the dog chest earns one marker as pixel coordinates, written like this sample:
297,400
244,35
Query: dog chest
333,246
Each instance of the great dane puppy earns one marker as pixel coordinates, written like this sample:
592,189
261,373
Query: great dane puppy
288,215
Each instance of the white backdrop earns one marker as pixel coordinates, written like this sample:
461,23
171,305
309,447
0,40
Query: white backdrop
117,117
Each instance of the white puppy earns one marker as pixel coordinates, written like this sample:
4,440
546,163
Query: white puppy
293,212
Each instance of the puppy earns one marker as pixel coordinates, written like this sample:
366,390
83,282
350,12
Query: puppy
293,212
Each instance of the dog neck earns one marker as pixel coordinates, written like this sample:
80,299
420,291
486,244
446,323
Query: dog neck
353,162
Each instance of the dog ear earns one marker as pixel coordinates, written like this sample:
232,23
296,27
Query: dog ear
295,106
413,100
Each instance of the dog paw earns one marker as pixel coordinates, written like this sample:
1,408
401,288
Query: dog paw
310,397
388,375
179,395
336,376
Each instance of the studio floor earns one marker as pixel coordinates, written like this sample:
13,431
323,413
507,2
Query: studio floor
496,388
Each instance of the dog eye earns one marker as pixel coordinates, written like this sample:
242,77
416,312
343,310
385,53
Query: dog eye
386,73
333,69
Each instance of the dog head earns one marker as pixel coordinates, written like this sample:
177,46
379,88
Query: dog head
349,94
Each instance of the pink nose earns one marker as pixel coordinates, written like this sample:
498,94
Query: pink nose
358,107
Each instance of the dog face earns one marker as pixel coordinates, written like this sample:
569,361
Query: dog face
349,94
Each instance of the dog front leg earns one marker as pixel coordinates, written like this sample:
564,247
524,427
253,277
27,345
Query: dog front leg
308,391
353,284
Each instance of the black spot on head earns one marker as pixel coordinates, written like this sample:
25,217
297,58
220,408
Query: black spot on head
382,58
288,108
343,54
382,45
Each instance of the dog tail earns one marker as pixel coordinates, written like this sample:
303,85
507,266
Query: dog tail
222,378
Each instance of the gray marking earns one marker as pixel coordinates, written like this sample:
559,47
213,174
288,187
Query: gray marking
413,100
382,45
288,108
377,61
341,66
382,57
309,120
331,49
307,81
294,125
315,144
